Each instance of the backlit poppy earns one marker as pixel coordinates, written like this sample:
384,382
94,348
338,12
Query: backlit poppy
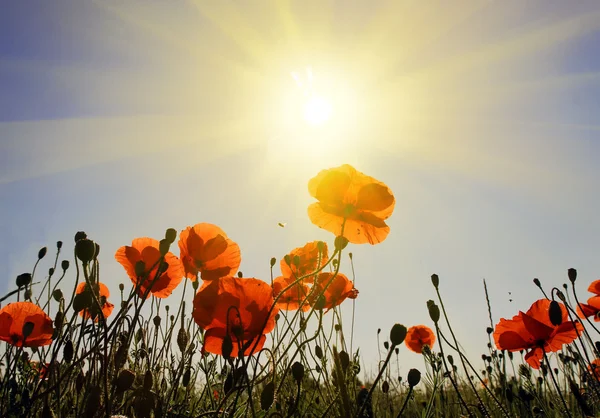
591,308
102,294
236,307
594,368
206,249
304,260
41,368
292,298
533,331
24,324
147,251
419,336
351,204
339,288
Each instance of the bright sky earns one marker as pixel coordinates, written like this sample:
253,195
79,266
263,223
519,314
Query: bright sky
126,118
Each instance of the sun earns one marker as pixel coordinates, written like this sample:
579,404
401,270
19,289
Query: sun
317,110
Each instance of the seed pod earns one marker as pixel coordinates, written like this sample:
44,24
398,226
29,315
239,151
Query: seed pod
124,380
398,334
58,319
57,295
183,339
385,387
80,235
434,311
318,352
164,246
186,377
68,351
273,261
171,235
435,280
59,245
23,280
555,313
85,250
42,252
298,371
267,396
64,264
227,347
82,301
156,321
572,273
414,377
148,380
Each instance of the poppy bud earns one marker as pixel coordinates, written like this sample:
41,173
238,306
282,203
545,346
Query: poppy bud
397,350
378,331
64,264
240,274
350,256
296,260
318,352
273,261
385,387
435,280
414,377
79,381
450,359
397,334
267,396
489,330
298,371
42,253
80,235
27,329
164,246
336,327
287,259
140,335
148,380
59,244
227,347
50,271
171,235
195,284
57,295
340,242
555,313
85,250
125,380
93,401
182,339
23,280
320,303
186,377
561,296
536,281
318,369
386,345
344,360
68,351
572,273
122,287
58,319
434,311
140,267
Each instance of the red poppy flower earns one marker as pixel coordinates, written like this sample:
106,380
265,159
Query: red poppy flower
339,289
595,287
206,249
594,368
308,258
591,308
234,307
147,250
419,336
351,203
533,331
292,298
102,294
42,368
15,316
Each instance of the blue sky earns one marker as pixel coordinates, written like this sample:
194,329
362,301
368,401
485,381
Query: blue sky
126,118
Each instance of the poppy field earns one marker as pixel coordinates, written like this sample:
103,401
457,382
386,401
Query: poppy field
236,345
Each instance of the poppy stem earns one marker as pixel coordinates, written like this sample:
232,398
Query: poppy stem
555,383
410,389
